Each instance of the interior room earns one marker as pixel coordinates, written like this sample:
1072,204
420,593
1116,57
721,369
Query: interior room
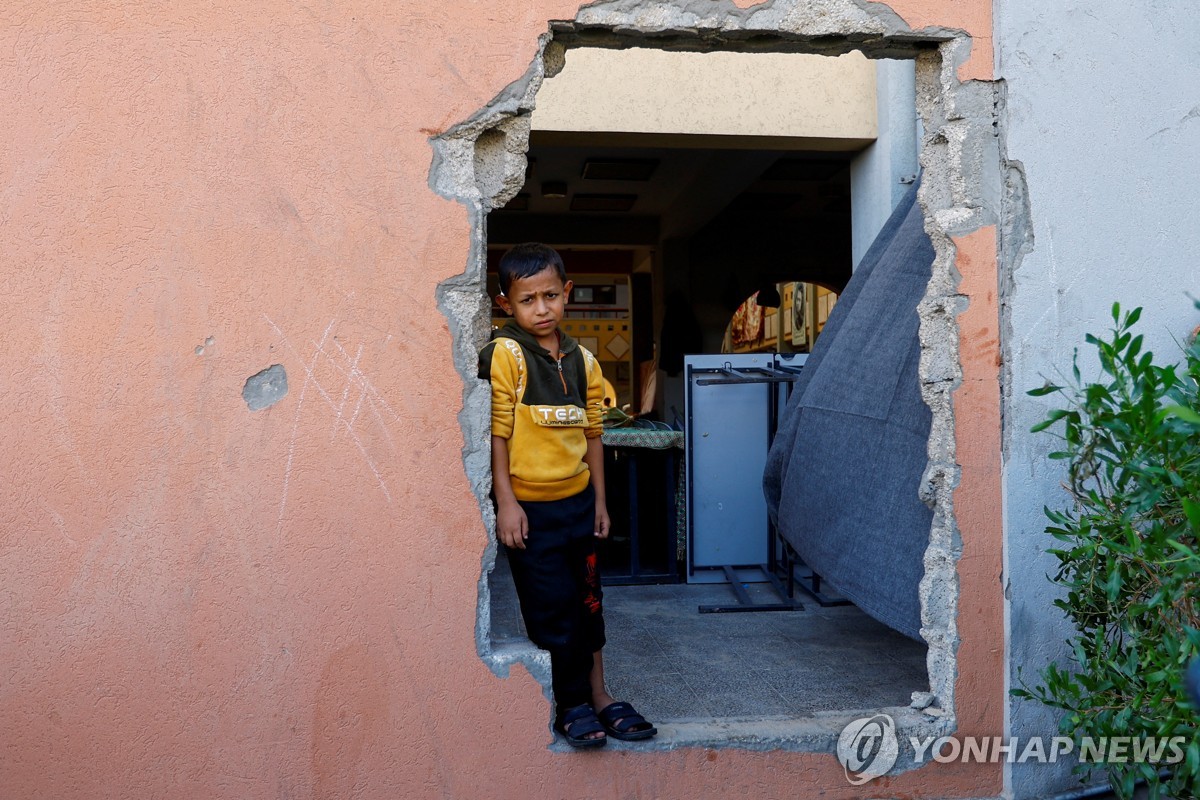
708,254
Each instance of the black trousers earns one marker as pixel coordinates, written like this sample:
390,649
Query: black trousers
558,584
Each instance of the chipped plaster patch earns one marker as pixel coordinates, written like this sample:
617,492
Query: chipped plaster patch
481,163
266,388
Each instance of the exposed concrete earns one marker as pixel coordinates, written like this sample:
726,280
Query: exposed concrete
263,389
814,734
480,162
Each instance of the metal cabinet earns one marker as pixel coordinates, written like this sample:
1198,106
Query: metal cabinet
732,409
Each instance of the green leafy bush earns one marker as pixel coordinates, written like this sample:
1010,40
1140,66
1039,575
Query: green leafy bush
1128,556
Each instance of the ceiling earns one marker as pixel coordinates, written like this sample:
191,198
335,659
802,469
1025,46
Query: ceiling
688,188
747,217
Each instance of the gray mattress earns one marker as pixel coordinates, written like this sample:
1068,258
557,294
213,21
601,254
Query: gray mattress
844,470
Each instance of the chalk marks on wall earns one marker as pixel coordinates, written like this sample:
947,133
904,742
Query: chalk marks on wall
346,393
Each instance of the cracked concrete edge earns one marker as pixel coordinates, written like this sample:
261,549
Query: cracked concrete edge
481,161
1016,239
831,27
960,163
817,733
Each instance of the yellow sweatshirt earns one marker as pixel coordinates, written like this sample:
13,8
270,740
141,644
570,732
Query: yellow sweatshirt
546,409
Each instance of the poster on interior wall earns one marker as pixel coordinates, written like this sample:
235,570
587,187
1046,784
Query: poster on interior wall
799,312
785,312
747,324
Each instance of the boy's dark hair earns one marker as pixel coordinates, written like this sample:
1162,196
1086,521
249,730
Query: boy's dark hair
528,259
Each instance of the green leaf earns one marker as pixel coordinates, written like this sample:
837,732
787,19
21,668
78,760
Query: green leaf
1048,388
1134,348
1192,509
1054,417
1183,549
1133,317
1184,413
1113,585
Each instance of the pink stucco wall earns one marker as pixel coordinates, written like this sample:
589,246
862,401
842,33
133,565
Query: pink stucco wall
203,601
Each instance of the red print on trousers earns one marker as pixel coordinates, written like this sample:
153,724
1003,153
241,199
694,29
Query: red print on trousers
592,576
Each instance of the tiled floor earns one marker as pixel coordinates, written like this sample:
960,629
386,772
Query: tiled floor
679,665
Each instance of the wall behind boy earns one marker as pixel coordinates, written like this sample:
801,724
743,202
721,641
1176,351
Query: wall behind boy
206,601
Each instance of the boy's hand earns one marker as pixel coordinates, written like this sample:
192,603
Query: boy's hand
512,526
602,522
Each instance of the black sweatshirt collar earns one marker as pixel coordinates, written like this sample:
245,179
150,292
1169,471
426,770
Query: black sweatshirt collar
512,330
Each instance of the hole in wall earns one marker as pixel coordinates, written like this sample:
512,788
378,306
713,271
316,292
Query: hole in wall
494,145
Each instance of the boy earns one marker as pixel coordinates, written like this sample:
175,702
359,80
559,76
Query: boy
548,486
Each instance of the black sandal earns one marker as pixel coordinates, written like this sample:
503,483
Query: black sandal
577,724
622,721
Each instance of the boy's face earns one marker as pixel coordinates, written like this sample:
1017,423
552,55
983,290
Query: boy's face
537,302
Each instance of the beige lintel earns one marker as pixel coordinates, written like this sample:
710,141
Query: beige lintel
780,95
